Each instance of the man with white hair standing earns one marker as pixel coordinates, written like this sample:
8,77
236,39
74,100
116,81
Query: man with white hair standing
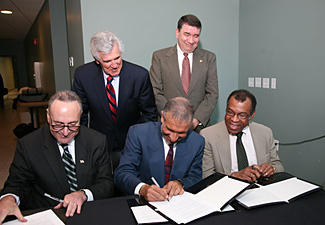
117,94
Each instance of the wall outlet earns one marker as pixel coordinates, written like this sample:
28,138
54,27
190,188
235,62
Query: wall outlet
277,143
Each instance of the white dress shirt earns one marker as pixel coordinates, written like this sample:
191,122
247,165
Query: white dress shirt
180,57
249,149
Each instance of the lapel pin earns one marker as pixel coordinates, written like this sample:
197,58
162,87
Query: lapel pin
201,60
82,161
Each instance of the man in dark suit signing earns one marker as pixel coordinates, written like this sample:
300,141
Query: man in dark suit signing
168,152
115,93
187,71
61,164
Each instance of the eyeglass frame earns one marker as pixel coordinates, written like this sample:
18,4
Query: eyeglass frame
61,127
241,115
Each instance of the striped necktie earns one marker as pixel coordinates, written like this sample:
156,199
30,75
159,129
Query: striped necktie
169,163
111,97
241,153
70,168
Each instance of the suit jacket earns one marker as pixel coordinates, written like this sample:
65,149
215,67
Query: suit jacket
37,168
217,156
143,157
136,103
166,81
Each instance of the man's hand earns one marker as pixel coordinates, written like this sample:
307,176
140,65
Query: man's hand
195,123
266,170
173,188
250,173
72,202
153,193
8,206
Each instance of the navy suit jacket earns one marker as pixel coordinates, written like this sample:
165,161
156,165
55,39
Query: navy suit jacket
37,168
143,157
136,103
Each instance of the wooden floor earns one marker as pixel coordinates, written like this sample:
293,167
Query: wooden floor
9,119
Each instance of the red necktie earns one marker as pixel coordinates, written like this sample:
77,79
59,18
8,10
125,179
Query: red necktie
111,97
169,163
186,73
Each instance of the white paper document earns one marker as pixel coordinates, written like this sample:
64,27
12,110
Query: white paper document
188,207
281,191
47,217
184,208
144,214
220,192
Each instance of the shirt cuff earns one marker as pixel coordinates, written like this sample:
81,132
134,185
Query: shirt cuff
13,195
138,187
89,195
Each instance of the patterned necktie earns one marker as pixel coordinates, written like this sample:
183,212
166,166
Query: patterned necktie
169,163
186,73
70,168
111,97
241,153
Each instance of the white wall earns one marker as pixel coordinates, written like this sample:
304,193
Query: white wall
147,25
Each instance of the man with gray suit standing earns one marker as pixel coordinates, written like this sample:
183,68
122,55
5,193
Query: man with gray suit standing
186,71
237,146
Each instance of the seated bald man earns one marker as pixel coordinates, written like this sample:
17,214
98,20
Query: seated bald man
161,159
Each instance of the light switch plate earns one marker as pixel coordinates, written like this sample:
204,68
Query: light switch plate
251,82
258,82
266,82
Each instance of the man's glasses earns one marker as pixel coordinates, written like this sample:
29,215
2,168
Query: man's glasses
59,127
241,116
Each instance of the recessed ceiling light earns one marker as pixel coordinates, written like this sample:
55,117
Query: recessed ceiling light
8,12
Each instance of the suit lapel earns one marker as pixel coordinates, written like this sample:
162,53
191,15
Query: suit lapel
197,67
99,83
157,156
173,69
52,154
225,156
122,92
82,162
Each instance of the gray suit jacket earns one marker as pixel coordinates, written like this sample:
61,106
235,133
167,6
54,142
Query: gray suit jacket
166,81
217,156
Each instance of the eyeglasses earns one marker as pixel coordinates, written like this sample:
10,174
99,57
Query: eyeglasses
241,115
59,127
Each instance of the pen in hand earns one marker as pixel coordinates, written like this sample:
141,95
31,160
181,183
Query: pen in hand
53,198
156,183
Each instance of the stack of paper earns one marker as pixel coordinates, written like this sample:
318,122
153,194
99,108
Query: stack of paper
281,191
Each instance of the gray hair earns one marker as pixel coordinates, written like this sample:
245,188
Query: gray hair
65,96
103,42
180,109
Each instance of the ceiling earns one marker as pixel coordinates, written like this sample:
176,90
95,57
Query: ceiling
17,25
